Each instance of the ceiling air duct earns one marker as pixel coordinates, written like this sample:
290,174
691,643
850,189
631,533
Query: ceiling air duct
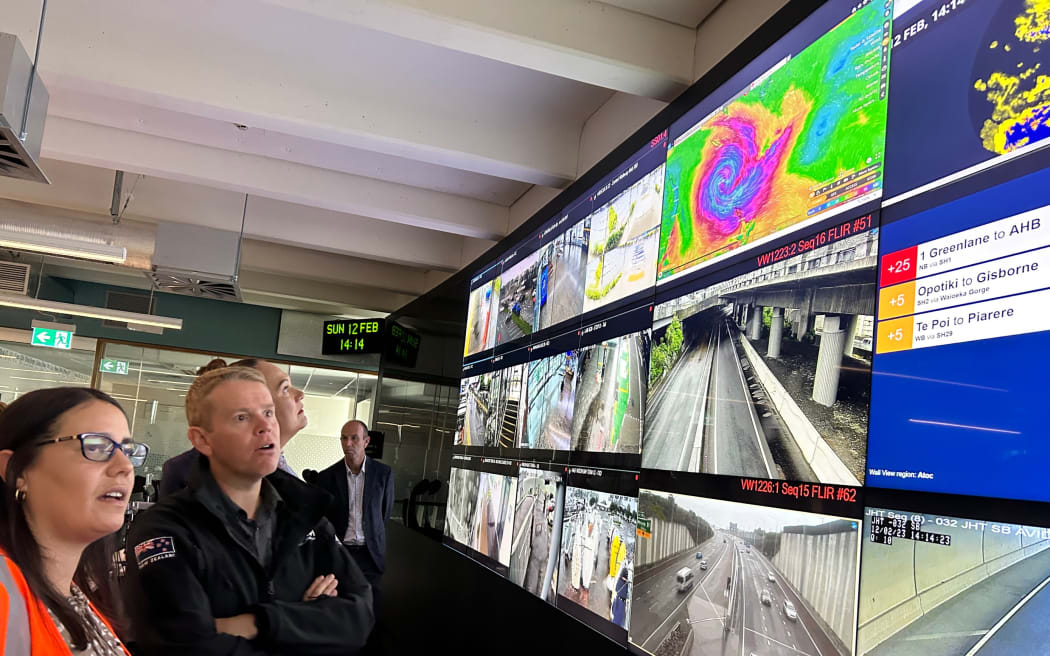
23,107
196,261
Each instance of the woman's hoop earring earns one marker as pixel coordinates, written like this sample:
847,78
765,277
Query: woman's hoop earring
20,496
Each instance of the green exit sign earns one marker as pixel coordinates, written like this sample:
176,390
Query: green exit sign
109,366
52,338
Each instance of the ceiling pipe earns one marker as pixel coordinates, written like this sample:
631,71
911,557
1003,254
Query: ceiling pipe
137,238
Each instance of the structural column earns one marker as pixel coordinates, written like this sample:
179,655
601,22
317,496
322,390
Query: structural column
852,327
803,325
804,315
754,329
829,361
776,332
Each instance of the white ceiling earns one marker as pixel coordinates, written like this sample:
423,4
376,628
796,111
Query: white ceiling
382,143
686,14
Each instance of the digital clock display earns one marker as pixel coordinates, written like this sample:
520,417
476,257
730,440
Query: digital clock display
352,336
403,346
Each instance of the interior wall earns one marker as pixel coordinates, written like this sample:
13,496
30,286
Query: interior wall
726,28
208,325
606,129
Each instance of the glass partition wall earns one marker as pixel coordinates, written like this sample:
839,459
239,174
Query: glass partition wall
418,420
151,383
24,368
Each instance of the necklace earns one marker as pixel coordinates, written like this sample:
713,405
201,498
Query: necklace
100,640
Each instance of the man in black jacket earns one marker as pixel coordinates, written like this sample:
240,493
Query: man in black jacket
242,562
288,408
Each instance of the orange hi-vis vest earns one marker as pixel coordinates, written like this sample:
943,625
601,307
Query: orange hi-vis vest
27,628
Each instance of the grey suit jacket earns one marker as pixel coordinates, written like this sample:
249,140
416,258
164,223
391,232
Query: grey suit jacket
378,504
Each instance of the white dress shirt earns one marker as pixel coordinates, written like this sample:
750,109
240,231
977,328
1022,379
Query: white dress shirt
355,486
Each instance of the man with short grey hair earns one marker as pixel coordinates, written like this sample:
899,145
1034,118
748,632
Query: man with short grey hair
364,497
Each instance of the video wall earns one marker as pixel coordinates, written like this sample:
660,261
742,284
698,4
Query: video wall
772,384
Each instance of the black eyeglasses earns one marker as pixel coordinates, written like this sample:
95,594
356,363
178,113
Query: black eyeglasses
99,447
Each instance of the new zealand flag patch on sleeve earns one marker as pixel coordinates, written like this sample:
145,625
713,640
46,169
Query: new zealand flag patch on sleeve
153,550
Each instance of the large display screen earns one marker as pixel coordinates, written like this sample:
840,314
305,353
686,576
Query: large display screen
744,579
967,89
538,513
821,290
964,322
802,140
610,399
767,373
941,585
624,236
481,512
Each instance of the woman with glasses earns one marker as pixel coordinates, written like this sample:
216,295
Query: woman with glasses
67,465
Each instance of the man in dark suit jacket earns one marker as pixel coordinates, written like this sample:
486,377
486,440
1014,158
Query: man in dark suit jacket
364,497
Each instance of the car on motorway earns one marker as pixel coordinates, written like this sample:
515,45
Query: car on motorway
789,610
699,555
766,598
703,564
749,548
772,579
683,579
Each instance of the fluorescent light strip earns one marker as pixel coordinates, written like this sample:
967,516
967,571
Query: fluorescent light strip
19,241
45,380
90,311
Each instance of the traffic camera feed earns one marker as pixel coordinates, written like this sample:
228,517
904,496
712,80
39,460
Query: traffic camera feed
491,408
610,395
729,578
934,585
480,512
551,394
597,553
537,531
621,258
768,374
517,299
481,318
562,265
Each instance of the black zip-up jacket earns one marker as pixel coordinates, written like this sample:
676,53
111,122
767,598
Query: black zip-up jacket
186,568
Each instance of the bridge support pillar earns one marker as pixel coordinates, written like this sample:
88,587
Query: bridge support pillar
776,332
805,325
852,327
829,361
754,327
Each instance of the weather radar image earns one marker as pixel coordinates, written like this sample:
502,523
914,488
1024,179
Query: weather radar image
980,69
803,141
1012,87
